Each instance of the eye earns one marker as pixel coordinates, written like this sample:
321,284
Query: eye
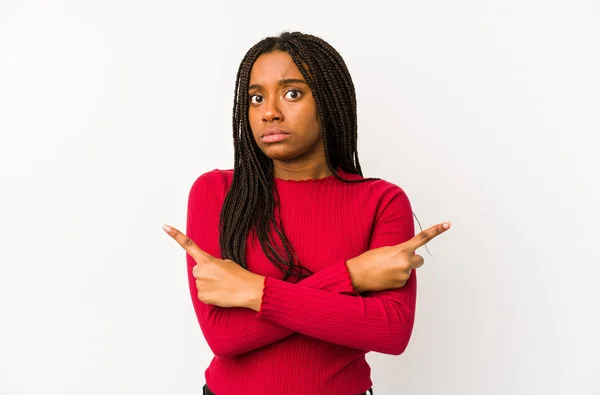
293,94
256,99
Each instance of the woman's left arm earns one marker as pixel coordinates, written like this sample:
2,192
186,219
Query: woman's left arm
375,321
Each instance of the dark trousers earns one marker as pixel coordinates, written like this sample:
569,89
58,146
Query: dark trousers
206,391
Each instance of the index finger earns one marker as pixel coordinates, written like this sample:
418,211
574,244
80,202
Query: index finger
426,236
188,244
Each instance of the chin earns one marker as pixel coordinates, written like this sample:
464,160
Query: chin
279,152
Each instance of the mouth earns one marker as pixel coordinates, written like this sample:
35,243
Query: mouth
274,135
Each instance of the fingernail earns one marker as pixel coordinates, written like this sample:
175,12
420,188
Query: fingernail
167,228
446,225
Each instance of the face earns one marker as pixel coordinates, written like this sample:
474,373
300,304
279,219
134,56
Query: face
282,111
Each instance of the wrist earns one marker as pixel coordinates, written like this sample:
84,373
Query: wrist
356,275
256,286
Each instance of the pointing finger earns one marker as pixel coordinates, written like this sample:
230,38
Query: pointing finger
188,244
426,236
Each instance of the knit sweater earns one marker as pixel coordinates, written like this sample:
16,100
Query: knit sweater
310,336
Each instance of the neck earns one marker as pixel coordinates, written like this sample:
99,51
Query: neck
300,171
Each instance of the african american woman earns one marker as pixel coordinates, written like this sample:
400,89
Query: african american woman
298,265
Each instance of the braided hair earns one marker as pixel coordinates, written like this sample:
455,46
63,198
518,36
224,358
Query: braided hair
252,199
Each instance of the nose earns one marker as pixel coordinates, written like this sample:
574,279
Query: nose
272,112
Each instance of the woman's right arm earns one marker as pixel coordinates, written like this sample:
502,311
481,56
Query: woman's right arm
233,331
236,330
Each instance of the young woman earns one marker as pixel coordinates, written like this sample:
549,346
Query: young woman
298,265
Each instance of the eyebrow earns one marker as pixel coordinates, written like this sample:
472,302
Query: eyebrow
287,81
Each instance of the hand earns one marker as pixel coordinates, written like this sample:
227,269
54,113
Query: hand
221,282
390,267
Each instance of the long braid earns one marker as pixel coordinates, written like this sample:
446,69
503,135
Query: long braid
335,91
250,204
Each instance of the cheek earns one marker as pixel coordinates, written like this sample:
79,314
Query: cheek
311,112
312,122
308,118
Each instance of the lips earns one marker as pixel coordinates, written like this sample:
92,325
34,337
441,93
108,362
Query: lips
272,131
273,135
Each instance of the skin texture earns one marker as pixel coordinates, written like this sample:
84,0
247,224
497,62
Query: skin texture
281,98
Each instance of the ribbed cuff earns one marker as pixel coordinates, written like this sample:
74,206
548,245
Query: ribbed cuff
334,278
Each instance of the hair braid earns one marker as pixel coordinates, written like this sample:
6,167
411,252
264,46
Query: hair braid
252,202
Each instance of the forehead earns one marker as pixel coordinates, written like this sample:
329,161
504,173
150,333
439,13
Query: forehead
273,67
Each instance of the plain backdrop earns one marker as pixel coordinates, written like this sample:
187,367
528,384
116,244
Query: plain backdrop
485,112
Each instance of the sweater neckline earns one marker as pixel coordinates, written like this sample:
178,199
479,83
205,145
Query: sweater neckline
311,180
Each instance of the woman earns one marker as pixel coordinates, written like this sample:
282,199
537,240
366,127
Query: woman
298,265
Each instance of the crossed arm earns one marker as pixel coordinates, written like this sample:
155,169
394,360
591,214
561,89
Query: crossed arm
322,306
237,330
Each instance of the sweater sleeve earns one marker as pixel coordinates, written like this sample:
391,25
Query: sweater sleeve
234,331
374,321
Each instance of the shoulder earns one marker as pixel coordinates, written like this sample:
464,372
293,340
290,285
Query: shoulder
393,221
213,182
374,191
386,196
377,188
373,184
385,188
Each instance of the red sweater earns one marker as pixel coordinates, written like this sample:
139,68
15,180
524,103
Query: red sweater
310,337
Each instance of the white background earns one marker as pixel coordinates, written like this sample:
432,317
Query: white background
485,113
